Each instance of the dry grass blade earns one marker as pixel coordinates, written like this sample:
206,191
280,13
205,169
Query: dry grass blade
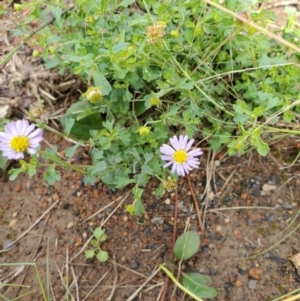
31,227
132,297
95,286
115,279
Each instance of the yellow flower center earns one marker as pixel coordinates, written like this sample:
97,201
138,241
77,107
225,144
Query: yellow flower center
19,143
180,156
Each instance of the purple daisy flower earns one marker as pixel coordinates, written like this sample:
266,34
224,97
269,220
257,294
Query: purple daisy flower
19,137
180,156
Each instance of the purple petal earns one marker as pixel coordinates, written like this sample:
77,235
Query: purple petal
36,133
168,164
183,142
29,129
195,152
167,150
175,143
189,144
32,151
167,158
10,128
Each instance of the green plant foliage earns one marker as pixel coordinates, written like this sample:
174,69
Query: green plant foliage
196,283
153,69
99,238
186,245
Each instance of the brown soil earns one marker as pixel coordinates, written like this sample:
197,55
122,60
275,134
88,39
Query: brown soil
250,201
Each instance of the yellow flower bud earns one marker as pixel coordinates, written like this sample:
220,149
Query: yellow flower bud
35,54
130,209
144,131
17,7
154,101
174,34
35,113
93,94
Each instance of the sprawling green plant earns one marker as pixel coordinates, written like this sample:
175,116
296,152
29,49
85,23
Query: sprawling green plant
156,68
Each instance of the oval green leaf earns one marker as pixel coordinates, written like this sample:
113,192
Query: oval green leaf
196,283
186,245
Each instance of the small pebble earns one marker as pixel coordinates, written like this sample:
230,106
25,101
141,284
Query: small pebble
252,284
15,214
84,235
218,228
229,287
125,218
227,220
18,188
238,283
255,273
268,187
55,197
287,206
157,220
167,201
70,225
134,265
12,223
250,223
271,218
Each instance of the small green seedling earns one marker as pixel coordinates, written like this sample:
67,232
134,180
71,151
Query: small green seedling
99,237
193,284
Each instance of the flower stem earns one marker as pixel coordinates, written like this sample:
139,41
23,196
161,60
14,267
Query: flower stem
196,204
166,284
65,164
175,222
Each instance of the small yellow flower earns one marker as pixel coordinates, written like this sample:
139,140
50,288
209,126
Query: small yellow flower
174,34
154,101
91,19
130,209
93,94
17,7
35,54
51,49
144,131
155,32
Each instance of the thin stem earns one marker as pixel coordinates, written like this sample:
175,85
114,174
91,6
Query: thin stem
61,162
166,284
196,204
175,222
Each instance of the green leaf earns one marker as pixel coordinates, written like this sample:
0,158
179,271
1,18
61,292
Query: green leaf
139,207
69,152
186,245
69,122
196,283
102,256
89,254
14,173
86,117
288,116
99,234
52,175
101,81
97,169
122,181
